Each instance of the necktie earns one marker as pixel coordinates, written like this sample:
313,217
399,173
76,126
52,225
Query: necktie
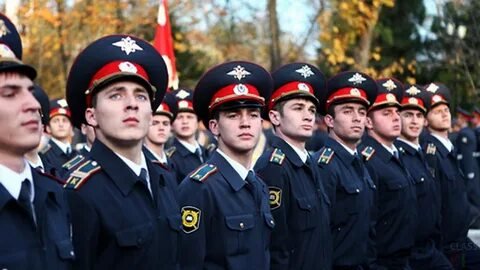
69,150
253,186
24,198
143,178
198,152
357,164
395,154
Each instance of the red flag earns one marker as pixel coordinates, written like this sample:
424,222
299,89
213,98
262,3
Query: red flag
163,42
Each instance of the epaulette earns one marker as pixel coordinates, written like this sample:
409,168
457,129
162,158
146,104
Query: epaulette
277,156
45,149
431,149
169,152
368,152
326,156
203,172
82,174
73,162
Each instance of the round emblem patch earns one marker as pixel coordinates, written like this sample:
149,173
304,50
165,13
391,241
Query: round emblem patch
183,104
240,89
127,67
413,101
391,97
275,197
355,92
303,87
190,219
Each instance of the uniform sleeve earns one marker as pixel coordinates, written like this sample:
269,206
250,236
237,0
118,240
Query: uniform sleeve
372,247
196,216
276,179
85,228
466,145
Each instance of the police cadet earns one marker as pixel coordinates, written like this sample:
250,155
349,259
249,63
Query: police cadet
34,225
426,253
301,239
158,134
396,199
124,213
186,153
33,157
225,213
59,150
466,145
350,188
456,212
160,130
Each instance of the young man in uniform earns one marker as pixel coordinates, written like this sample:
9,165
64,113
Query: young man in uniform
426,253
186,153
125,213
457,213
302,238
59,149
225,213
350,188
396,199
34,224
160,130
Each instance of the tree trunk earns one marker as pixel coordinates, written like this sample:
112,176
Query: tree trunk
275,54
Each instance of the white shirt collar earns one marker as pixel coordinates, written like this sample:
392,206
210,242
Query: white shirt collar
349,150
162,159
37,164
446,142
190,147
87,148
12,181
302,154
392,150
242,171
62,145
413,145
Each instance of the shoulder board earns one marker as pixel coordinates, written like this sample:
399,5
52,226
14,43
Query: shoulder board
277,156
203,172
326,156
82,174
169,152
45,149
368,152
73,162
431,149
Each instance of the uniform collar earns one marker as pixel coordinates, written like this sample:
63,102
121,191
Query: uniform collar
344,153
190,147
289,152
415,147
61,145
445,142
38,164
124,177
380,150
228,172
162,159
242,171
302,154
12,181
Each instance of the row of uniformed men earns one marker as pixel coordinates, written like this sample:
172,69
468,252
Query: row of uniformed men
396,207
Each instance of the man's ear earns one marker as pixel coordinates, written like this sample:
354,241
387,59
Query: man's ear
274,117
90,117
213,126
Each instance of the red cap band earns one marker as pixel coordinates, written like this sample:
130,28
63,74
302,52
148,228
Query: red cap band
347,93
413,101
59,111
235,92
114,68
290,88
